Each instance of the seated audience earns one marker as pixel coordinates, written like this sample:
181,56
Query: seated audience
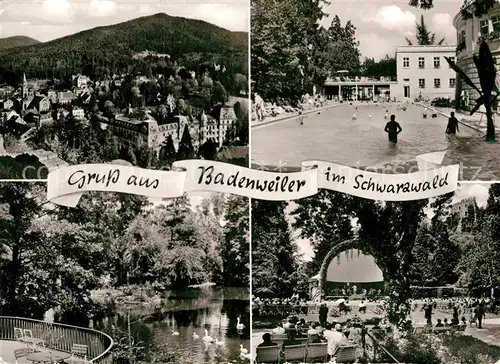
439,323
267,341
292,339
279,330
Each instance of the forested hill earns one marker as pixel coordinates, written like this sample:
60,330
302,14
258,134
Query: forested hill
110,49
16,41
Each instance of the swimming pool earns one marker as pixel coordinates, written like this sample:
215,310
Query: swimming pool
333,135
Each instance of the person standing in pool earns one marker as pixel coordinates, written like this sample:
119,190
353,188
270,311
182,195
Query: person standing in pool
452,128
392,128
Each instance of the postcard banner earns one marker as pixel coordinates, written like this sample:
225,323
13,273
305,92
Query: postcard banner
67,184
385,187
203,175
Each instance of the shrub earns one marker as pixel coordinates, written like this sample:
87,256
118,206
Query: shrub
443,102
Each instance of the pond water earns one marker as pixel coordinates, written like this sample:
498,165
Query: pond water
332,135
192,311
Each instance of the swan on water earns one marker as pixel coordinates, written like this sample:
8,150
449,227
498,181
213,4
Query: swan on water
195,336
175,333
219,343
207,338
239,325
243,351
246,356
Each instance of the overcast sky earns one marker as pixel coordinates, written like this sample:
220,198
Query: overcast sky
45,20
382,24
466,190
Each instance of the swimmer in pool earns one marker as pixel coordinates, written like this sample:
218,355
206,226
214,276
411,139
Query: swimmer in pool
353,116
392,128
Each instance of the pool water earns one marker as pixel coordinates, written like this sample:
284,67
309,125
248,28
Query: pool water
333,135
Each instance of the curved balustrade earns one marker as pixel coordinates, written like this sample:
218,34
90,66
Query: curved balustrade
61,337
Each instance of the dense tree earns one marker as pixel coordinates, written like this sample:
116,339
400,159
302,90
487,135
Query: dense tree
469,8
235,251
208,150
274,261
46,261
385,67
291,54
186,150
167,153
424,35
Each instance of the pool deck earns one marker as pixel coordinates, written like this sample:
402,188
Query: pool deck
291,115
7,348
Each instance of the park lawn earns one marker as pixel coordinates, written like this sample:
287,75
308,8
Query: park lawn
12,168
472,350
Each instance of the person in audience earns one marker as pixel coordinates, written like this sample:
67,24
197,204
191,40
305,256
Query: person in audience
346,340
314,339
323,314
362,307
279,330
266,341
463,321
446,323
439,323
313,329
292,339
454,320
287,323
333,338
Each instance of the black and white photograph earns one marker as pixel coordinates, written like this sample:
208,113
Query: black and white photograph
145,82
376,84
123,279
337,278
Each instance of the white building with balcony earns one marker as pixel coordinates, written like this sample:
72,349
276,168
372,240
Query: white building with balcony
469,33
422,71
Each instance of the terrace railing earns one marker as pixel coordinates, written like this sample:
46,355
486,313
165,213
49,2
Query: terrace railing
372,347
61,337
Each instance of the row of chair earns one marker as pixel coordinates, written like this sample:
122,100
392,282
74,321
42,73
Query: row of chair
304,353
436,330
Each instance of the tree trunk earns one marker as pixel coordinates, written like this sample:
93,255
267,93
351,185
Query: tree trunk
490,129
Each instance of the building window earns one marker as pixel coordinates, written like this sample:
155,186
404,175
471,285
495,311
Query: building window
483,24
406,62
452,59
437,83
495,20
437,62
453,82
421,83
421,62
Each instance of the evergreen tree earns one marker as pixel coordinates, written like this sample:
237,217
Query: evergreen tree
186,150
167,153
235,251
208,150
424,35
274,262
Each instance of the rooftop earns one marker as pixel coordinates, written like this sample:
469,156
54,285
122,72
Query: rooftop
426,48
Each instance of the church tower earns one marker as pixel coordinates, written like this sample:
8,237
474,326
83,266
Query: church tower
24,92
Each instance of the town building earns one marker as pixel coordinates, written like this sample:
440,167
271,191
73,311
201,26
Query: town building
469,33
217,126
151,133
78,113
80,81
423,72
